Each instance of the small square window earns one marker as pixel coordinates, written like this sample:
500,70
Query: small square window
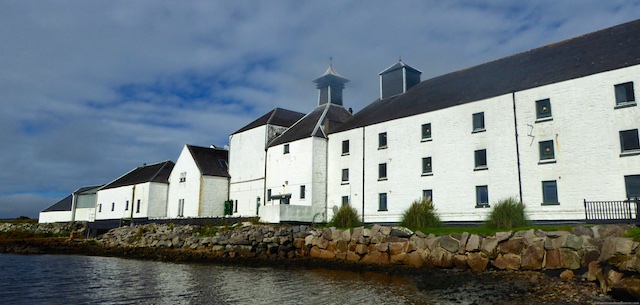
302,191
543,109
482,196
345,175
546,150
382,140
382,202
345,200
426,131
632,185
480,159
624,93
183,176
286,148
478,121
382,171
345,147
629,140
428,194
549,192
426,166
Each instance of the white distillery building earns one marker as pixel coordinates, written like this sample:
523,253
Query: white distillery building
140,193
199,183
552,127
78,206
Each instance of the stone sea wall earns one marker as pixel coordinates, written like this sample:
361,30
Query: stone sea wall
54,229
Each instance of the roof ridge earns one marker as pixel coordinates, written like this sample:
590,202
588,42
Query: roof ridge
159,170
319,123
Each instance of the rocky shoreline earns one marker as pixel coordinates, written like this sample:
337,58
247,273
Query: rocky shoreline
579,266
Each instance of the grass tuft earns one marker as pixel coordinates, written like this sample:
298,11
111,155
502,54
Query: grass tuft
346,217
421,214
508,213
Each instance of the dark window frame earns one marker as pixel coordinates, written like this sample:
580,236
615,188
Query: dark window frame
345,176
543,110
286,149
345,147
303,190
427,166
345,200
382,140
480,159
113,206
425,132
550,192
629,141
428,194
382,171
546,151
138,206
126,206
482,192
268,194
383,202
625,95
632,186
478,122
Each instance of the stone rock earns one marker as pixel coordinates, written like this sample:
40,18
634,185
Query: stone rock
514,245
400,232
552,243
298,243
460,261
449,243
309,240
616,250
553,259
386,231
416,259
382,247
477,261
604,231
507,261
398,258
376,257
627,288
357,232
352,256
326,234
501,236
554,234
613,277
533,256
570,259
418,242
322,243
332,246
488,247
336,234
589,256
432,243
441,258
366,232
594,272
361,249
375,229
567,275
572,242
326,254
346,235
463,242
580,231
397,247
420,234
315,252
473,243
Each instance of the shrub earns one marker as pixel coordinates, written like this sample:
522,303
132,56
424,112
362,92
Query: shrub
346,217
421,214
508,213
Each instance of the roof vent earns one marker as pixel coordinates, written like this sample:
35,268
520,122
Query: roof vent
397,79
330,85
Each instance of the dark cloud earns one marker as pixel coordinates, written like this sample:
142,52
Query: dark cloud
91,89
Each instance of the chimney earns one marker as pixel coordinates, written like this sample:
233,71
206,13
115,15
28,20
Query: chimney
330,86
397,79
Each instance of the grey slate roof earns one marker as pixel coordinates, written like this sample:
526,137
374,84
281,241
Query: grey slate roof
311,125
61,206
278,116
609,49
210,161
399,65
158,172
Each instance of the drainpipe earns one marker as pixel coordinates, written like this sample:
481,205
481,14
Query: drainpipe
74,204
133,197
515,123
363,167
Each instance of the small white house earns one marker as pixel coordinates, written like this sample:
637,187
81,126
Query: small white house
79,206
140,193
199,183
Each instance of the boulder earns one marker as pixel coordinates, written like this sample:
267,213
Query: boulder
418,242
514,245
463,242
397,247
507,261
594,272
460,261
398,258
376,257
352,256
432,243
488,247
400,232
533,256
567,275
473,243
382,247
477,261
346,235
416,258
616,250
441,258
582,231
357,232
572,242
570,259
553,259
627,289
361,249
336,234
501,236
449,243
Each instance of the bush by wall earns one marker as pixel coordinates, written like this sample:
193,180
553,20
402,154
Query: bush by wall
508,213
421,214
346,217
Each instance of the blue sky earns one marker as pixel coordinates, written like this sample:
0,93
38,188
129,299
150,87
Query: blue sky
92,89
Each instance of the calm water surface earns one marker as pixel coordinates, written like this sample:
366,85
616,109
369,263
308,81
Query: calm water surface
66,279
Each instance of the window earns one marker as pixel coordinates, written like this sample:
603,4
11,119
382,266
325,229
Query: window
426,166
180,207
482,196
629,140
546,151
427,194
549,192
126,206
345,147
478,122
481,159
345,175
100,208
183,176
543,109
382,202
286,148
235,207
345,200
113,206
624,94
382,140
426,132
138,206
632,185
382,171
269,195
302,191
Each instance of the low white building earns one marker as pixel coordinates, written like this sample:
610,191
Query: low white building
78,206
140,193
199,183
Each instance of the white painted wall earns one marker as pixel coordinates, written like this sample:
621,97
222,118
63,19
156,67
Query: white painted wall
55,216
152,196
246,168
215,191
189,190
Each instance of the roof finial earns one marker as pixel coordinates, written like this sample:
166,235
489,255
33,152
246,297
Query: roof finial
331,61
400,58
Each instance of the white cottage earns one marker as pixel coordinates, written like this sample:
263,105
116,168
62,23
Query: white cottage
552,126
199,183
78,206
247,155
296,164
140,193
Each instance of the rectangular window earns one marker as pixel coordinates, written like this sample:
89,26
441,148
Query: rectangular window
345,200
180,207
629,140
138,206
113,206
481,159
269,195
426,131
382,171
478,121
382,140
345,175
183,176
546,150
100,208
302,191
126,206
235,207
624,94
549,192
345,147
482,196
543,109
286,148
426,166
427,194
382,202
632,185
